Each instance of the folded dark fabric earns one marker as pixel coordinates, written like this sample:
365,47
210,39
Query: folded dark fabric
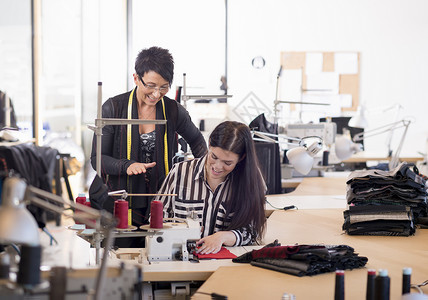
402,171
247,257
303,260
389,220
373,194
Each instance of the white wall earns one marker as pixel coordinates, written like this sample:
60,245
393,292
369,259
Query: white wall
15,58
391,36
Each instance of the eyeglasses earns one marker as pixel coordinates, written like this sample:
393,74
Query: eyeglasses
151,87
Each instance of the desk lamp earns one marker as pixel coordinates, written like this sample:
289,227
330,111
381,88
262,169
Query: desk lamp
17,225
360,119
300,157
345,148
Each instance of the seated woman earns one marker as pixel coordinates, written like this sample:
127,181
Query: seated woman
225,188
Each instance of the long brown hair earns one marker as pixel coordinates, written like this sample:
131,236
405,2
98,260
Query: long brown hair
247,197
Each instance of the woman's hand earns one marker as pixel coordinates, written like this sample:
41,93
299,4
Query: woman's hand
138,168
213,243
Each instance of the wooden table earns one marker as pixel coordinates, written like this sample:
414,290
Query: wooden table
173,271
321,186
312,192
362,157
322,226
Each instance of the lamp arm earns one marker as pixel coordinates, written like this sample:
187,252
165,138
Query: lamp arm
266,137
395,158
382,129
87,217
84,217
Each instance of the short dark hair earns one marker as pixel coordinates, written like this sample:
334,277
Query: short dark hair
155,59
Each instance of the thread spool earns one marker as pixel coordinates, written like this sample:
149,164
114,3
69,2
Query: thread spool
407,273
370,292
325,155
121,213
156,214
382,285
339,288
287,296
93,222
29,265
87,203
4,265
81,199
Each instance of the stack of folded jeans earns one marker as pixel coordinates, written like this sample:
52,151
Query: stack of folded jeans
304,260
394,220
385,202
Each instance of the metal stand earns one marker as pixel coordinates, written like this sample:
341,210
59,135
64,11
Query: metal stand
186,97
277,101
100,123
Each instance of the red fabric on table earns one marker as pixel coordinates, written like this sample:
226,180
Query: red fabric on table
222,254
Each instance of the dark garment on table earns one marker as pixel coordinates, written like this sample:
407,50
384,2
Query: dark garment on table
402,186
304,260
34,164
389,220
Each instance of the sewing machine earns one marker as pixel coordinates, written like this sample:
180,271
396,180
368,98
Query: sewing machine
175,241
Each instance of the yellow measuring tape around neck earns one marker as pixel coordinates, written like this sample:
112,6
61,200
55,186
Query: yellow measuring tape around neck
165,141
129,126
128,151
129,143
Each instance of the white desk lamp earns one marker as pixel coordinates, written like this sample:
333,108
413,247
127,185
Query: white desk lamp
17,225
300,157
345,148
359,120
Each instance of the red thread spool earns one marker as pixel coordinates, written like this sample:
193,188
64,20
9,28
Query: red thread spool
156,214
88,204
121,213
81,199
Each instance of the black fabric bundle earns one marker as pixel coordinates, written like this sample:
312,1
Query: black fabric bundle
385,202
303,260
34,164
392,220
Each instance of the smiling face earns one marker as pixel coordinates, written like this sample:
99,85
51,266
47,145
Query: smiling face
151,87
220,163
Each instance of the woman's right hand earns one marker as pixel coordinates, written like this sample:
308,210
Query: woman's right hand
138,168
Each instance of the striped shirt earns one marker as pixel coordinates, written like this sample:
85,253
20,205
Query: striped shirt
188,180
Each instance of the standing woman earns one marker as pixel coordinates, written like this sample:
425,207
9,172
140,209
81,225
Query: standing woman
224,187
139,160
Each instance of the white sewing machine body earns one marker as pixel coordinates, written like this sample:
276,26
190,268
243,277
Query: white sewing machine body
171,241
